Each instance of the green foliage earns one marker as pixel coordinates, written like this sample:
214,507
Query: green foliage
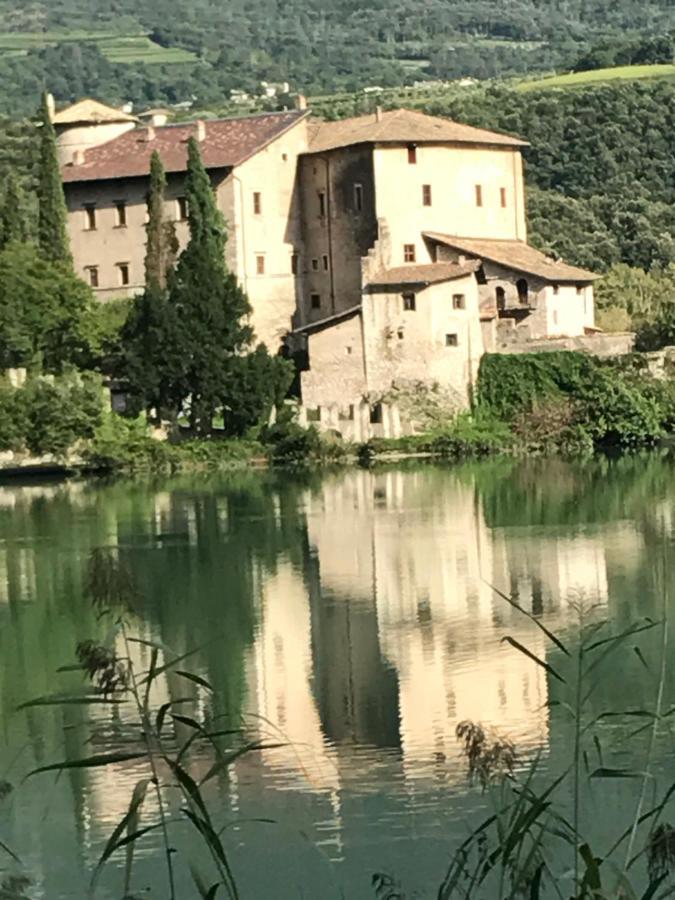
50,415
14,225
292,445
52,231
162,243
44,311
636,52
573,400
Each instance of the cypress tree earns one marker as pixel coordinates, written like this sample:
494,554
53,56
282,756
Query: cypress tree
13,221
209,305
162,244
52,232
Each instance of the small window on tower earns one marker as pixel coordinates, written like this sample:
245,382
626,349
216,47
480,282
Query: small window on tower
260,264
409,253
426,195
358,197
295,263
257,203
458,301
409,304
90,217
315,264
502,197
92,275
315,301
324,260
322,204
479,195
123,273
182,208
120,214
412,154
451,340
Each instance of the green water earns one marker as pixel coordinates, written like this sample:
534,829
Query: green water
352,615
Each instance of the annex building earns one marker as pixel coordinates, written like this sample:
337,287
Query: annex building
387,251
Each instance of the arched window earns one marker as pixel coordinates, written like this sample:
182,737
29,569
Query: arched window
500,294
523,290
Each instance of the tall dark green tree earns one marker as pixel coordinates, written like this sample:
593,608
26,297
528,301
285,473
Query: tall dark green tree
52,231
162,243
13,218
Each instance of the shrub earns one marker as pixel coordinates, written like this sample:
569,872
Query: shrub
61,411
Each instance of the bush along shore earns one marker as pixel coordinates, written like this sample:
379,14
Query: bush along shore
565,402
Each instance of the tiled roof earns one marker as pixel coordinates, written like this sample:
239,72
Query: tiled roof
401,126
515,255
227,142
329,321
420,276
91,112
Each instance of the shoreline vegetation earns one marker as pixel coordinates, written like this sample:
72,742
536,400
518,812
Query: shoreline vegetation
529,404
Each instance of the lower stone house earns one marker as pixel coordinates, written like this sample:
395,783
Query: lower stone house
372,367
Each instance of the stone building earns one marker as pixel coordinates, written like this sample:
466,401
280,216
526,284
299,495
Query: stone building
387,251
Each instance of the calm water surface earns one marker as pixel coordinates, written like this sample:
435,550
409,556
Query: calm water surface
352,616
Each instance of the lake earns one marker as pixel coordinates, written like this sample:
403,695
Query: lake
350,618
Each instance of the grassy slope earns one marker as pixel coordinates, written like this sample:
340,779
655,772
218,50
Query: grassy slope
118,48
598,76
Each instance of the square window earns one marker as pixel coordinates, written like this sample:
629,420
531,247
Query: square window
409,253
426,195
479,195
409,303
315,301
324,260
120,214
182,208
315,265
451,340
412,154
123,273
90,217
257,203
458,301
322,204
502,197
358,197
92,275
295,263
260,264
314,415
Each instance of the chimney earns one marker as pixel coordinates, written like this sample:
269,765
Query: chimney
301,101
78,157
149,134
200,130
51,106
378,113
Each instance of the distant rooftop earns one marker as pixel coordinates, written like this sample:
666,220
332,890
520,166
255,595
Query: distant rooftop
420,276
515,255
90,112
226,143
402,126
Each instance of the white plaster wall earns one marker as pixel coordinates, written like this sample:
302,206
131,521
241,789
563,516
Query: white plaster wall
569,311
80,137
453,173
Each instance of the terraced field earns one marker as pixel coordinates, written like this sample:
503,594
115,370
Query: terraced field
118,48
598,76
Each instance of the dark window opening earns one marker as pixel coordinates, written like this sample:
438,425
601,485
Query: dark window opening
123,269
500,294
426,195
409,303
260,264
376,414
120,214
315,264
325,262
322,204
295,263
90,217
257,203
479,195
358,197
523,290
412,154
314,415
409,253
315,301
92,275
556,289
401,334
458,301
183,211
502,197
451,340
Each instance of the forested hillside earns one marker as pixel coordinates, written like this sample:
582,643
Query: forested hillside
153,51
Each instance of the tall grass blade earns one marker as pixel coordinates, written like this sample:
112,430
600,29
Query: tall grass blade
90,762
540,662
549,634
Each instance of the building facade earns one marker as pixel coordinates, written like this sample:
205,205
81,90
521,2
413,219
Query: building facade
388,251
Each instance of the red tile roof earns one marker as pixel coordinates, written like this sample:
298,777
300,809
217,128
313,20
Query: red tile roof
227,142
420,275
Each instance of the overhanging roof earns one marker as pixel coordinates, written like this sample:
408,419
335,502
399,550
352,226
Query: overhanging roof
419,276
